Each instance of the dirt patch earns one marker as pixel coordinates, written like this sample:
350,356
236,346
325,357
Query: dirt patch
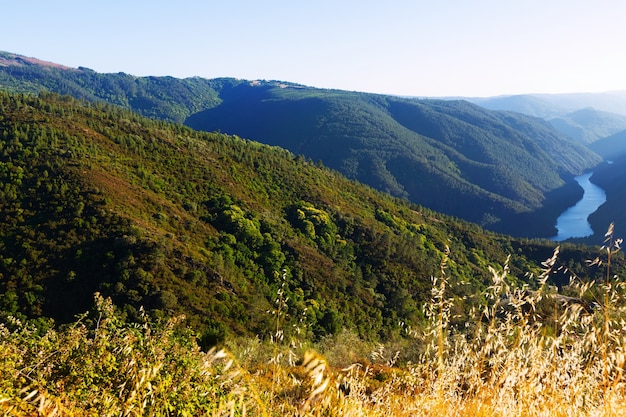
21,61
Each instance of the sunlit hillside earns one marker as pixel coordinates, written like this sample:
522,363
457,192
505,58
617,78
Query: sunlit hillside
522,352
502,170
150,269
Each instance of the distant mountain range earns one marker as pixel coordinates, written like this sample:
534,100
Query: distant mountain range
548,106
451,156
501,169
584,117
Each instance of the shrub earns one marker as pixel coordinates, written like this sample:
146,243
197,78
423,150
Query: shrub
524,351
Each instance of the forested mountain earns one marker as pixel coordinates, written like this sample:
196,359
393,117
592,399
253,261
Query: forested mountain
165,98
549,106
94,198
610,147
585,117
589,125
453,157
492,168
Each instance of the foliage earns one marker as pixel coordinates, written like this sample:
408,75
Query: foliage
497,169
523,351
154,215
102,366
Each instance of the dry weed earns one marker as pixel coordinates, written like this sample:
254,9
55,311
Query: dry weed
507,361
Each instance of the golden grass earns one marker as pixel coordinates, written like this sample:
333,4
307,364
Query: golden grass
504,362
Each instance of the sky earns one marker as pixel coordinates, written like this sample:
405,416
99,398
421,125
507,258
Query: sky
426,48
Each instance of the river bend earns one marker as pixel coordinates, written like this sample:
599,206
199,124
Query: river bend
573,221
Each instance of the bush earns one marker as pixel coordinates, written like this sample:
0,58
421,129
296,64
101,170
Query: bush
102,366
523,351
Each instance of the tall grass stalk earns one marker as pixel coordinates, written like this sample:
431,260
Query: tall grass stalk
610,342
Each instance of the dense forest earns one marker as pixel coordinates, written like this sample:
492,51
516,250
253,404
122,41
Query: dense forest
147,268
451,156
95,198
502,170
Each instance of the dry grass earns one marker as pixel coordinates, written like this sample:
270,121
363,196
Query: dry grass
504,362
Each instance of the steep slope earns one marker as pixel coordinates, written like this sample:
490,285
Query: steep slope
588,125
454,157
610,147
160,216
611,177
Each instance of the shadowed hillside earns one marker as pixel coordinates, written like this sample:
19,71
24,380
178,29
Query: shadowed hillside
589,125
611,147
453,157
492,168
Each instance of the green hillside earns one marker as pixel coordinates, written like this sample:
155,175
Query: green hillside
493,168
610,147
98,199
453,157
589,125
164,98
611,177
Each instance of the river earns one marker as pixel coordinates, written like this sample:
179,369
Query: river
573,221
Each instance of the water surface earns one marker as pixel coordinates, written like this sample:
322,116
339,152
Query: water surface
573,221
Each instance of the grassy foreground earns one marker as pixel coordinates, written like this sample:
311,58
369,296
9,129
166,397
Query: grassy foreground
525,353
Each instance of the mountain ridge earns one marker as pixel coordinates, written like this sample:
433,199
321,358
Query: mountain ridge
360,135
99,199
548,106
464,144
9,59
588,125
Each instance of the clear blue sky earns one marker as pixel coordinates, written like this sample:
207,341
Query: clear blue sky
412,47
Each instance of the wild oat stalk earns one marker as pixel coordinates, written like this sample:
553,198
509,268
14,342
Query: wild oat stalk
316,369
438,314
611,336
